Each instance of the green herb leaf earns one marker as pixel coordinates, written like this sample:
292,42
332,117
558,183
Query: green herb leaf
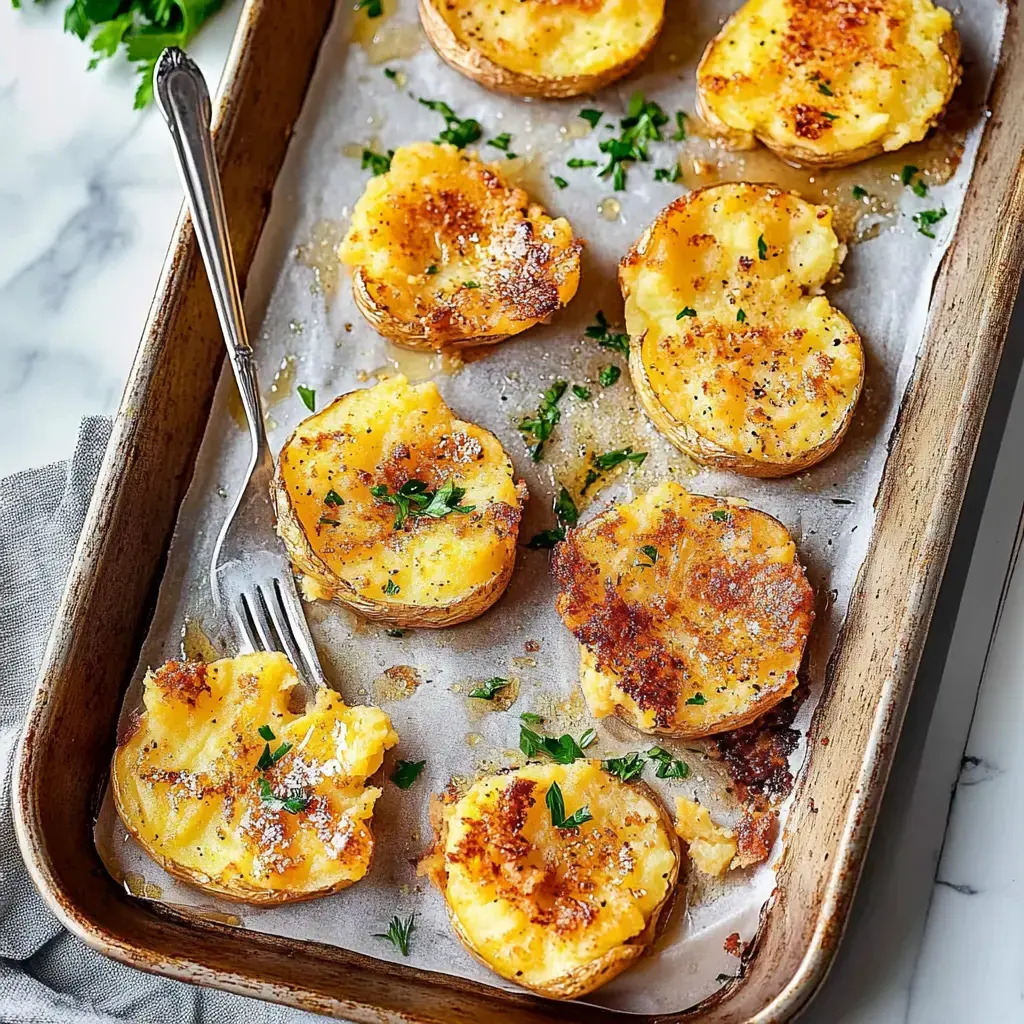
581,392
762,248
543,423
530,718
373,8
559,181
669,767
609,375
399,933
470,284
563,750
502,141
628,767
445,501
907,174
668,173
927,219
651,552
741,317
824,89
591,116
721,515
266,733
641,125
546,539
609,460
488,690
333,498
396,633
831,117
391,588
413,499
280,752
308,396
575,163
697,698
460,132
391,73
406,773
295,801
680,132
327,521
556,805
266,760
565,508
376,162
606,337
686,311
431,270
919,188
858,192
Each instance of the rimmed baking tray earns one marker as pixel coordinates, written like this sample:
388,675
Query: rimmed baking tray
108,602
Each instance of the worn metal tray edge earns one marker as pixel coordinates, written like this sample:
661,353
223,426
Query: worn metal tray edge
931,452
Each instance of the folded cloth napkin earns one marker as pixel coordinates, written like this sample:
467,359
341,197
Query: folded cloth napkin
46,975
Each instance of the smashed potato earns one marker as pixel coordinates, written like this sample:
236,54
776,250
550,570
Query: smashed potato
736,356
537,48
228,790
711,847
824,83
444,253
391,505
692,612
559,910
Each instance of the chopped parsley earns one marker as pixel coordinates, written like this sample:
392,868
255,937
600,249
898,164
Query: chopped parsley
721,515
295,801
470,284
858,192
831,117
530,718
609,375
651,553
686,311
543,423
697,698
566,513
668,173
907,174
398,933
607,338
575,163
628,767
559,181
391,588
431,270
762,248
268,759
918,187
376,162
413,499
327,521
927,219
741,317
669,767
591,116
308,396
333,498
391,73
563,750
266,732
680,133
609,460
581,392
502,141
396,633
460,132
373,8
642,124
488,690
556,805
406,773
824,89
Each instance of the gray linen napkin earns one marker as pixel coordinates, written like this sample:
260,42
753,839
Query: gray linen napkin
46,975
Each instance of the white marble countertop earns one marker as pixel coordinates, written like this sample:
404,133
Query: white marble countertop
88,198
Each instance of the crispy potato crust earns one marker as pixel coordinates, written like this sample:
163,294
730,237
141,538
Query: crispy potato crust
558,911
692,612
829,82
445,253
429,571
543,49
736,356
187,785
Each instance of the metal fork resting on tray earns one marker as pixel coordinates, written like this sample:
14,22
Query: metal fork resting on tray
253,584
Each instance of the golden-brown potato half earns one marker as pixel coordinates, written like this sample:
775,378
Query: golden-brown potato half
737,357
539,48
827,84
389,504
692,612
445,253
560,911
265,817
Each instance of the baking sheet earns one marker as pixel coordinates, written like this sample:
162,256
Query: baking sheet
306,330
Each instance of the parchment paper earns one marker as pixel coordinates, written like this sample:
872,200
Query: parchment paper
303,321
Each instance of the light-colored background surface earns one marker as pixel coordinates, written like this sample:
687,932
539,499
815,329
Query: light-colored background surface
88,197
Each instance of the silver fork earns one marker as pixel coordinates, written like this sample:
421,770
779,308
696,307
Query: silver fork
254,585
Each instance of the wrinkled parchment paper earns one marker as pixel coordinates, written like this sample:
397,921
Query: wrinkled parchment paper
306,330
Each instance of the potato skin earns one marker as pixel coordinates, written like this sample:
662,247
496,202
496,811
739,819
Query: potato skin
445,253
586,977
476,65
321,580
703,254
816,40
702,636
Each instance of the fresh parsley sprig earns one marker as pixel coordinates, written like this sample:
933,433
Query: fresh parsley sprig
399,932
927,219
413,499
566,513
489,689
406,773
609,460
563,750
556,805
541,425
631,766
378,163
297,800
460,132
601,331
